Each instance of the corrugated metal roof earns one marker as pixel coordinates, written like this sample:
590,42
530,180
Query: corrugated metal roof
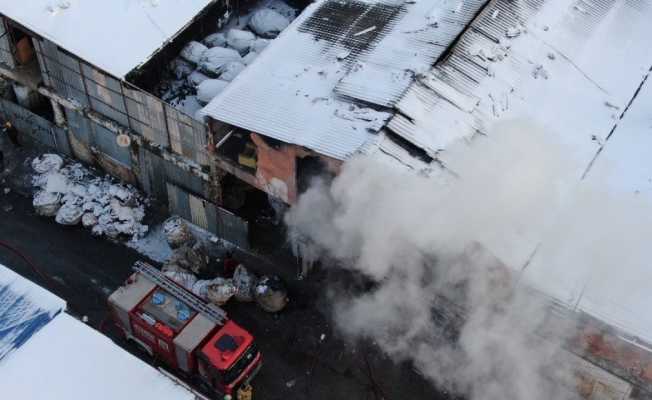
514,55
570,68
24,309
417,41
116,36
312,86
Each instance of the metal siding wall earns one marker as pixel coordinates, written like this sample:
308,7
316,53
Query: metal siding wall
208,216
37,128
188,137
79,125
183,178
105,141
152,174
178,201
6,55
147,115
198,211
232,228
41,62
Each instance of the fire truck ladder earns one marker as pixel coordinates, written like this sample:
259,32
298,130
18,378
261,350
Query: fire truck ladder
210,311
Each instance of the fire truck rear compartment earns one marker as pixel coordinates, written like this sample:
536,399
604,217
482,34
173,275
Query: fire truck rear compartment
127,297
189,339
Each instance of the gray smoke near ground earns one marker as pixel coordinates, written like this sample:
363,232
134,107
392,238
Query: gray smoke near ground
441,298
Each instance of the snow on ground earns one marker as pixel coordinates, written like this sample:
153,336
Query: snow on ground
153,245
72,194
248,34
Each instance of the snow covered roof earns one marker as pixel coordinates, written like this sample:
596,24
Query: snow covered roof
116,36
572,68
47,354
24,309
328,81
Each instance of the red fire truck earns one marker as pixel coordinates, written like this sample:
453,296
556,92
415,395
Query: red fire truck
184,331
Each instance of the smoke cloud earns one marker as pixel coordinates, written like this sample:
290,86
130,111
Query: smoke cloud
442,298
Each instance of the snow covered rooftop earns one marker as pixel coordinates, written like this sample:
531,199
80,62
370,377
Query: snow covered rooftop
571,68
24,309
116,36
328,81
47,354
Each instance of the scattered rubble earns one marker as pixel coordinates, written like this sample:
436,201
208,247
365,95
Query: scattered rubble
73,194
270,294
177,232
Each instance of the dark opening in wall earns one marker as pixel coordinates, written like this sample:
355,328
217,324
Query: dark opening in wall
308,169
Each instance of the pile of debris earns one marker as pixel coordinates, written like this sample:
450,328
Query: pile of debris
73,194
203,69
190,259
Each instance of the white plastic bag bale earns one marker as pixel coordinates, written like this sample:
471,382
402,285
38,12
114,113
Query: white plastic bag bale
56,182
46,203
210,88
244,282
268,23
180,276
197,257
215,40
240,40
193,52
196,78
231,70
249,58
191,256
69,214
259,45
219,292
270,294
214,60
89,220
177,232
47,163
181,68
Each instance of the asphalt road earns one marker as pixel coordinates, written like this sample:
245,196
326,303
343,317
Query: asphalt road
84,270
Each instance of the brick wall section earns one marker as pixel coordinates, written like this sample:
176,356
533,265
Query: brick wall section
276,169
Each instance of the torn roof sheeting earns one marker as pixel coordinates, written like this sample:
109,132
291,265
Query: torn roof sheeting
115,36
25,308
310,85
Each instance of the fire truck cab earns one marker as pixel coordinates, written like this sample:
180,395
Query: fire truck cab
183,331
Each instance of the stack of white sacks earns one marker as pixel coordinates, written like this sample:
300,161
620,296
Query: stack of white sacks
207,67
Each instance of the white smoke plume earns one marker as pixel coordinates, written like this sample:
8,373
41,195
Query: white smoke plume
441,298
